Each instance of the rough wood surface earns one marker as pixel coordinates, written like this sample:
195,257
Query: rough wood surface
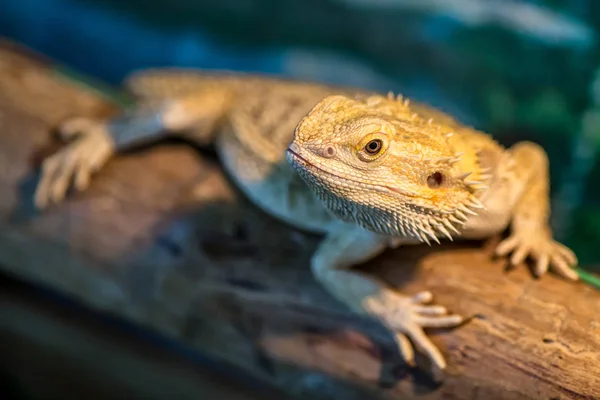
163,239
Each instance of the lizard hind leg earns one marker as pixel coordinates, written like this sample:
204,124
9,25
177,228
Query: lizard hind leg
405,316
530,230
93,142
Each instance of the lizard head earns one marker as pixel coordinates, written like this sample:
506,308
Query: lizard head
373,162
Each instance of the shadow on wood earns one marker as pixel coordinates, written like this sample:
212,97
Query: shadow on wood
161,238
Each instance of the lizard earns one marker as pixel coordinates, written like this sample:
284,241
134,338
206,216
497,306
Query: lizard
367,171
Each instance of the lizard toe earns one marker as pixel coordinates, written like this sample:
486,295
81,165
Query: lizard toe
63,177
519,255
562,267
408,315
49,167
405,348
541,265
507,245
546,252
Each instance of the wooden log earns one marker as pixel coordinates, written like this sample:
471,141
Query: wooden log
54,349
163,239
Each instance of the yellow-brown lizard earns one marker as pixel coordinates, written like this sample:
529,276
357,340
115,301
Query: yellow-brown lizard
367,171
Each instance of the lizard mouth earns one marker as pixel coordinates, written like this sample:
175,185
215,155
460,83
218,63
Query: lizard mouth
296,158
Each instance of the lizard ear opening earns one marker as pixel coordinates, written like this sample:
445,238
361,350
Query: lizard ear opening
435,180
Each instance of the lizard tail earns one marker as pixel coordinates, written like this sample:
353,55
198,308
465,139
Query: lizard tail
171,82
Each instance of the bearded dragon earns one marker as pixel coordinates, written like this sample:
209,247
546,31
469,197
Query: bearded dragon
368,171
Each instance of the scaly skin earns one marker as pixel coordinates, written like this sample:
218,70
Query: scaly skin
366,171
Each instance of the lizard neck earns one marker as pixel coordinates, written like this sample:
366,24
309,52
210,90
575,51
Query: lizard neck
471,161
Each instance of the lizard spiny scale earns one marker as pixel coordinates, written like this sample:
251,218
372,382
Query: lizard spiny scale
463,176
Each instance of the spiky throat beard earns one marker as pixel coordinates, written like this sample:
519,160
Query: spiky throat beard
379,210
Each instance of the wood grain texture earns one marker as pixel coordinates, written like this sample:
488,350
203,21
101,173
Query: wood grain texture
163,239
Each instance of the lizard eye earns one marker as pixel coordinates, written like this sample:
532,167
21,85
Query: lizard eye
374,146
435,180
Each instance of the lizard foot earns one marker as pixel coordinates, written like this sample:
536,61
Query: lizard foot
540,246
409,315
91,146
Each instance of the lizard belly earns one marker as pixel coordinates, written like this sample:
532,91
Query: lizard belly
273,187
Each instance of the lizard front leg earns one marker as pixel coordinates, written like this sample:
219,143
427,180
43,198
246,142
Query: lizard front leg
348,246
93,142
530,231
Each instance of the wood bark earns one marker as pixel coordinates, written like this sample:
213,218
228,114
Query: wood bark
163,239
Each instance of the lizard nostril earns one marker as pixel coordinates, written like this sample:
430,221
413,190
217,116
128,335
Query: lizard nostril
329,151
294,147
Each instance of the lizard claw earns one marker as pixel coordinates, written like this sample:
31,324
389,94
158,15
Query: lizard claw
408,316
547,253
90,148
